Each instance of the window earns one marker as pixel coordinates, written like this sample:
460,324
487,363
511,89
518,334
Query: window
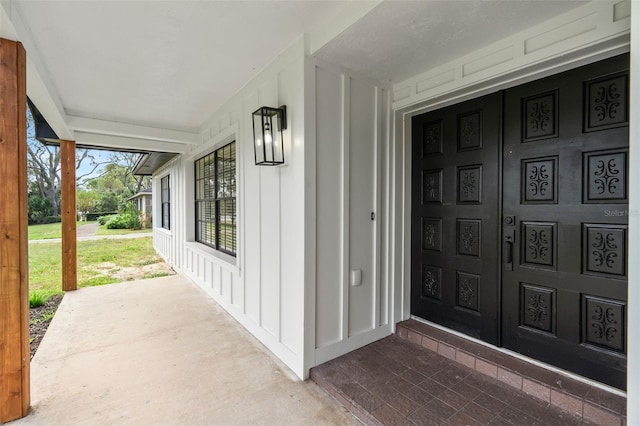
215,178
165,200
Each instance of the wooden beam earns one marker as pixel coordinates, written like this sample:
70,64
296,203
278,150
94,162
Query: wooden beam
14,276
69,215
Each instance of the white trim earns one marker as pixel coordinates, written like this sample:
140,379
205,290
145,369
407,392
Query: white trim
225,137
377,219
229,261
333,350
40,87
113,128
310,207
126,143
633,314
345,246
164,231
575,37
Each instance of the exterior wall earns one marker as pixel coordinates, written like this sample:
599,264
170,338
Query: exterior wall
303,227
352,118
263,286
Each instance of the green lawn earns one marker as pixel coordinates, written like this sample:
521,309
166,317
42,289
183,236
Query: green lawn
102,230
98,262
48,231
53,230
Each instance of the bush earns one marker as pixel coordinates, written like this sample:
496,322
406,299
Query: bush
51,219
102,220
97,216
124,221
36,299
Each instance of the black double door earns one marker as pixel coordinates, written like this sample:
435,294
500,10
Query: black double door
519,219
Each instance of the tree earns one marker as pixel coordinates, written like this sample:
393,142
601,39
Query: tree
117,183
114,184
43,167
86,201
38,207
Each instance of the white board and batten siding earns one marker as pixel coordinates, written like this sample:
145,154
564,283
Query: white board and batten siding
305,229
263,286
352,125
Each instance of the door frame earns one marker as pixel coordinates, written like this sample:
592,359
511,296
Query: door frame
402,148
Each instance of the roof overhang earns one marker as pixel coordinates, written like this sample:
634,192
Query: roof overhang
148,163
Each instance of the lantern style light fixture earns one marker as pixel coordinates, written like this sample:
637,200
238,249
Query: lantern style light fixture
268,145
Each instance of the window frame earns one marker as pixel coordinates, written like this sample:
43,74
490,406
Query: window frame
213,202
165,202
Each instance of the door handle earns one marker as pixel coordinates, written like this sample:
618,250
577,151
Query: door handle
509,240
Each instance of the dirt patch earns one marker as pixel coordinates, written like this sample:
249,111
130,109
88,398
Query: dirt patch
141,272
39,319
131,273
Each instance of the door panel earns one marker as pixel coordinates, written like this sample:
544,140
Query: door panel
454,236
565,220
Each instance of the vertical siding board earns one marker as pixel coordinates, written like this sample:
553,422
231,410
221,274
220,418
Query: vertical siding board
251,243
346,161
361,199
385,242
292,213
363,187
378,216
329,214
270,239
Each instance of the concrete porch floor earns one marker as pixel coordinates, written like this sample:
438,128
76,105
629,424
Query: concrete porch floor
160,351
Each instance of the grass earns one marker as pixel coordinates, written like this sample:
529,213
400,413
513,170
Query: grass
98,262
36,299
102,230
48,231
53,230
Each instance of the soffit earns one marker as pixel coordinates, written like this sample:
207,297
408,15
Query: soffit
399,39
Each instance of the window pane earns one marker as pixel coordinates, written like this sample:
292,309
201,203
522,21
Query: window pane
215,199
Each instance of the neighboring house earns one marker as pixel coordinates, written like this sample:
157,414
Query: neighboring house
466,163
143,202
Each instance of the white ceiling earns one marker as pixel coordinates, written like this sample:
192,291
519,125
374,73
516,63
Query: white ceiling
400,39
171,64
167,64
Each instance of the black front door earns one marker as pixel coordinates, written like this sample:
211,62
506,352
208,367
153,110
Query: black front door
455,192
519,219
565,220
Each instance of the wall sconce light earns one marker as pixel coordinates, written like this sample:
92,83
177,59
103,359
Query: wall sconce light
268,145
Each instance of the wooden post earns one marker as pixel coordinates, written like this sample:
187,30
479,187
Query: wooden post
14,262
69,215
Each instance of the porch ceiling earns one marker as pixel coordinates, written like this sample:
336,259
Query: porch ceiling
161,64
118,71
400,39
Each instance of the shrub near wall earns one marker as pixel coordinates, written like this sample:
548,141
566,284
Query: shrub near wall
124,221
96,216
